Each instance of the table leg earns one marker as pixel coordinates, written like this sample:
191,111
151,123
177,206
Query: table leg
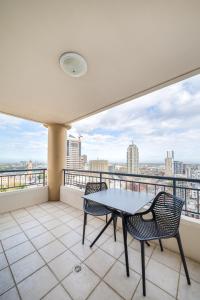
102,231
125,245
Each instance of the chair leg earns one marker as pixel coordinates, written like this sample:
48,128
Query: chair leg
161,246
183,258
125,245
147,244
143,268
84,224
114,226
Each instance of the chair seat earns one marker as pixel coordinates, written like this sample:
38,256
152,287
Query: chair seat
144,230
97,210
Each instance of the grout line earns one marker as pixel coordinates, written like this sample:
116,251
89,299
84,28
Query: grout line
69,248
15,284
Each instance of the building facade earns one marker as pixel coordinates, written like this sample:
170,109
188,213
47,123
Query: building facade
98,165
133,159
169,164
73,157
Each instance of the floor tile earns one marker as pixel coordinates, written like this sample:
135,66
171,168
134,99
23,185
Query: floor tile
35,231
29,225
119,281
193,268
70,239
3,261
52,250
64,264
186,292
42,240
19,252
104,292
60,230
152,293
6,280
88,230
134,258
83,251
94,234
57,293
113,248
52,224
162,276
77,213
96,222
136,246
37,285
44,219
1,248
74,223
25,219
14,241
12,294
80,285
168,258
26,266
9,232
65,218
100,262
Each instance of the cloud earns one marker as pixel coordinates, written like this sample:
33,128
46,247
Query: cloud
163,120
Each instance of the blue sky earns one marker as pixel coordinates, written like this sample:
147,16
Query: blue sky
163,120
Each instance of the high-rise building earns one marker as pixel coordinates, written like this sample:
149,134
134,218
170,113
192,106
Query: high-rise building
133,159
99,165
178,167
73,157
169,163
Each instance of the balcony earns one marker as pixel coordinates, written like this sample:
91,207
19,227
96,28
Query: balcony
130,50
42,245
41,249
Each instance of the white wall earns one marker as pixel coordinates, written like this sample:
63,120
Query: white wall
22,198
189,227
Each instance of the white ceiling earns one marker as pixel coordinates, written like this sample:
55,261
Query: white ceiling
131,47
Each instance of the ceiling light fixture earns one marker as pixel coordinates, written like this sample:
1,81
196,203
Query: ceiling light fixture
73,64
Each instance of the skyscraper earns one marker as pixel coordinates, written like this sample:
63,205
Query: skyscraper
73,157
178,167
133,159
169,163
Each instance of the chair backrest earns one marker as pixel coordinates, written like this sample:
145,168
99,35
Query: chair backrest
166,210
93,187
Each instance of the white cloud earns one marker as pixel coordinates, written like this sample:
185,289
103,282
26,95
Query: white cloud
163,120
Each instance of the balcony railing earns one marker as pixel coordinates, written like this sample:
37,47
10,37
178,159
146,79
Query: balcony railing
186,188
20,179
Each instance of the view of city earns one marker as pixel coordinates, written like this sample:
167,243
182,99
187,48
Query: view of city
155,135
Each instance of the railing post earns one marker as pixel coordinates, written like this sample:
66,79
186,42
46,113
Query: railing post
174,187
43,177
100,180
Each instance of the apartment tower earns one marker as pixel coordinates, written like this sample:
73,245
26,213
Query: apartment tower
133,159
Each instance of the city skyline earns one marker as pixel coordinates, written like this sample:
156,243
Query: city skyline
160,121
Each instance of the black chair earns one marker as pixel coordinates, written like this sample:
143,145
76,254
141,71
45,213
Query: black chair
93,208
163,224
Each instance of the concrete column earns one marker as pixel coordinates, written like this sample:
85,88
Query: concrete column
56,158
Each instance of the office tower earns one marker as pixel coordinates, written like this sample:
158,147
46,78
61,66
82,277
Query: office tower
169,164
178,167
73,157
133,159
99,165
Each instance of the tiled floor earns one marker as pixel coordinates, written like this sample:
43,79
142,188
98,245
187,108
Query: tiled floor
41,245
